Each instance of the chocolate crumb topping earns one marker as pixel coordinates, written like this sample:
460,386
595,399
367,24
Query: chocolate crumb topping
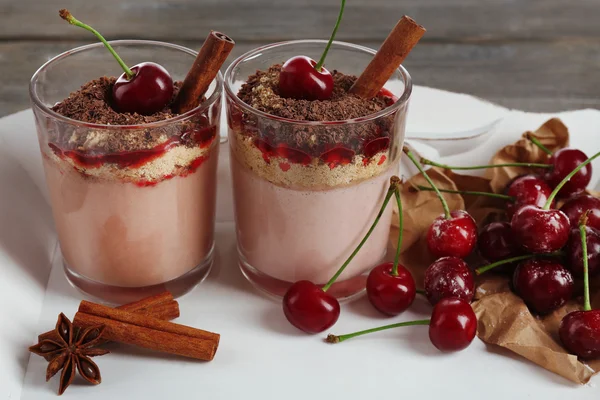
261,91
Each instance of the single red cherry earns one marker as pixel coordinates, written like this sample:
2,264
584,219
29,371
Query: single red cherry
575,252
299,79
540,230
563,162
309,308
579,332
496,242
526,190
544,285
147,92
453,324
449,277
576,206
390,294
455,236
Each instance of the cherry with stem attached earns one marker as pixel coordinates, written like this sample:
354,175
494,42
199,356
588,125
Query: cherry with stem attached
145,88
579,331
309,307
544,230
564,161
527,190
576,206
391,288
575,253
301,77
453,234
452,326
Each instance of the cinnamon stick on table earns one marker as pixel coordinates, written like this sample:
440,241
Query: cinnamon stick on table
211,57
148,332
161,306
401,40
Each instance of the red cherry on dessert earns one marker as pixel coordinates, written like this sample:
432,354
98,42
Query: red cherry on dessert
539,230
544,285
563,162
527,190
576,206
390,294
309,308
579,332
449,277
575,252
496,242
453,324
299,79
455,236
147,92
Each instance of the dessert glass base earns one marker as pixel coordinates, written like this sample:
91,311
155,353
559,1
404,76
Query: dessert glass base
122,295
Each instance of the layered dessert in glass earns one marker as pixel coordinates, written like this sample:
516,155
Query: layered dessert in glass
309,176
133,196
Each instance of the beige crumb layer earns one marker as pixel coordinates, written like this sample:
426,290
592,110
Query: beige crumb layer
172,162
315,175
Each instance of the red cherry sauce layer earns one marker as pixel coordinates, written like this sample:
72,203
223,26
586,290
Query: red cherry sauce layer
200,137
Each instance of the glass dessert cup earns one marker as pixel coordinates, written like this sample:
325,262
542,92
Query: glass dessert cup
304,200
135,220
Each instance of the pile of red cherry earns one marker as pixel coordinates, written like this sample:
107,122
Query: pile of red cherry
548,243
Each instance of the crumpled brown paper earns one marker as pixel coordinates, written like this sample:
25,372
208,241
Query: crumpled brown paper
503,318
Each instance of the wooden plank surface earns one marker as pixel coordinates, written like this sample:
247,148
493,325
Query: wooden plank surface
537,55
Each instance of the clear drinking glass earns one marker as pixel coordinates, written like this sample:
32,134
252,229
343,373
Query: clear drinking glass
301,212
135,222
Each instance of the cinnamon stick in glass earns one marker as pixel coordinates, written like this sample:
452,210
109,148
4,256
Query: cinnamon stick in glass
148,332
401,40
211,57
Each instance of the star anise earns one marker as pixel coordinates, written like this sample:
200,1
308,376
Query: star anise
71,349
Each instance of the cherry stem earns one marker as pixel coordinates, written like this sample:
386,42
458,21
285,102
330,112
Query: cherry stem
527,165
486,268
341,338
66,15
422,171
584,252
400,231
567,178
467,192
539,144
394,180
335,29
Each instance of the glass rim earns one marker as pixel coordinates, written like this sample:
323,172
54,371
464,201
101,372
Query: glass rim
33,95
402,100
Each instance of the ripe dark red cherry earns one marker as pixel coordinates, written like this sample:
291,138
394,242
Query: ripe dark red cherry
544,285
453,325
527,190
390,294
576,206
309,308
299,79
563,162
149,91
575,252
454,237
449,277
539,230
579,332
496,242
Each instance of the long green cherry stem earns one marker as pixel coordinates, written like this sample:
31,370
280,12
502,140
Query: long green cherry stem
335,29
400,231
66,15
412,157
341,338
566,179
488,267
394,181
584,252
467,192
527,165
539,144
